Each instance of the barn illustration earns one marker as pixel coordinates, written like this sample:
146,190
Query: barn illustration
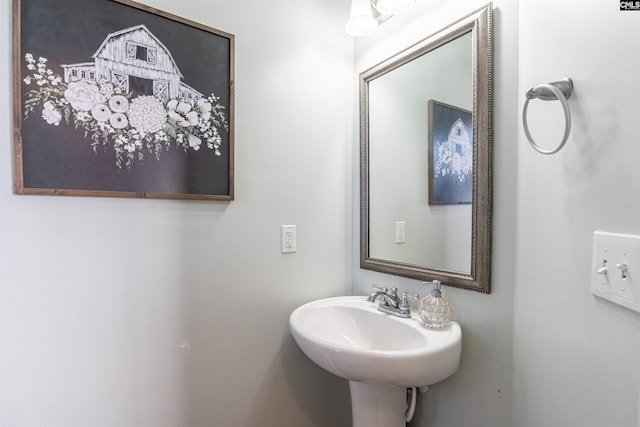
135,61
459,138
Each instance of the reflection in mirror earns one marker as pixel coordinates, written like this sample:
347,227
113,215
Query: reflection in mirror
426,158
398,113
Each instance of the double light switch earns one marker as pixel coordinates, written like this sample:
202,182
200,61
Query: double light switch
615,271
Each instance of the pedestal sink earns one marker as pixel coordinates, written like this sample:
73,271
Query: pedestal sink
381,355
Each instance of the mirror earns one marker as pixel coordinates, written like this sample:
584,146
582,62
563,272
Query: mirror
425,158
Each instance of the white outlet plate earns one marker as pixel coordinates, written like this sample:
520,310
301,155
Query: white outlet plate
615,269
288,239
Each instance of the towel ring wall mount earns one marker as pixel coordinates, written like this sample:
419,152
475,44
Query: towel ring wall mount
561,91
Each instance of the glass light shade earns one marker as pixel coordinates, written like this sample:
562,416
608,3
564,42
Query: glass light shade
393,7
361,21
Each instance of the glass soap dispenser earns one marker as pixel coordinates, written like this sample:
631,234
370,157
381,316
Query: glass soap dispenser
433,309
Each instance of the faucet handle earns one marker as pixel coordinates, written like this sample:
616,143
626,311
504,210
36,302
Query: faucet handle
380,288
404,303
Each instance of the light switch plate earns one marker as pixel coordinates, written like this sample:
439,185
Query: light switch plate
615,269
401,230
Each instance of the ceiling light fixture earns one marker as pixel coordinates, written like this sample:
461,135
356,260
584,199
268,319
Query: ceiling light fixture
366,15
361,21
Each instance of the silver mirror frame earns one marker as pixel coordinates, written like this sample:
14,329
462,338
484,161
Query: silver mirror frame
480,24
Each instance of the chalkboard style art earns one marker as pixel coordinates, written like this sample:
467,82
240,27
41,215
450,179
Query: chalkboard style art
115,98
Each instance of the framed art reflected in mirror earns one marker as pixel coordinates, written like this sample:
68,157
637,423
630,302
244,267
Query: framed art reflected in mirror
450,154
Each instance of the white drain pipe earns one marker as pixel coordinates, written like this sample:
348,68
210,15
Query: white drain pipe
412,396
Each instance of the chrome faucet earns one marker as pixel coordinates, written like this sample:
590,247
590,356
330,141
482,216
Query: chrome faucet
391,302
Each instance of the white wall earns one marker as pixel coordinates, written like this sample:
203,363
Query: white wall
575,356
118,312
479,394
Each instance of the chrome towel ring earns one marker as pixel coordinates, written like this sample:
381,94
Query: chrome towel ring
560,90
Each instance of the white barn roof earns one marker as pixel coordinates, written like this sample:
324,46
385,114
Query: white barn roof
136,28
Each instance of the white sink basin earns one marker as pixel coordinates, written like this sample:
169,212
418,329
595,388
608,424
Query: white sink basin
350,338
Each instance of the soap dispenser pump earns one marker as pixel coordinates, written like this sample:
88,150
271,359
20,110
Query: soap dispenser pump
434,310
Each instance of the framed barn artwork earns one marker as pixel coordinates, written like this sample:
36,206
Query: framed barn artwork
115,98
450,154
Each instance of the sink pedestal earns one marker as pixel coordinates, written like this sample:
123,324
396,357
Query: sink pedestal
376,405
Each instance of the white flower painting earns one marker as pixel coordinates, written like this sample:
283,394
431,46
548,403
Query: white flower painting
131,97
451,151
454,155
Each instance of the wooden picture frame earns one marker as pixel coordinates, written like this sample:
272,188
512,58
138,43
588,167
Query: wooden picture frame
115,98
450,154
